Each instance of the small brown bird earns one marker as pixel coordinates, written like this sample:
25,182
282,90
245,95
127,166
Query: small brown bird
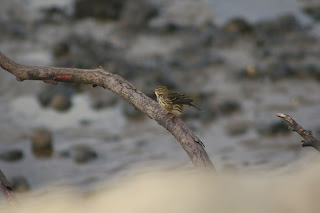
172,102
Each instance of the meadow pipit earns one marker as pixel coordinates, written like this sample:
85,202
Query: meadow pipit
172,102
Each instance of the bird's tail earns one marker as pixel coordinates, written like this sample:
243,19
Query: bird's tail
194,106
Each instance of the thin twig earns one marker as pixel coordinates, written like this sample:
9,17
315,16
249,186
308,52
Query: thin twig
121,87
309,139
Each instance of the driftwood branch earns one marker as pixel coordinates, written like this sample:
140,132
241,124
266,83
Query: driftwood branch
309,139
121,87
6,189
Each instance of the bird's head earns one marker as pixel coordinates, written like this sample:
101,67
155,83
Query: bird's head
160,90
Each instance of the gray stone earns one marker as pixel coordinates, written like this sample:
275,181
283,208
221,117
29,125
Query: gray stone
41,141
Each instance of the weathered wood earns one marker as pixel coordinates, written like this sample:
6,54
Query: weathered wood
6,190
309,139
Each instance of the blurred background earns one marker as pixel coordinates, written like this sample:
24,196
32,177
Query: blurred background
242,61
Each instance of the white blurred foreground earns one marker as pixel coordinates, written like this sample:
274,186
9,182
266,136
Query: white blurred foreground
185,191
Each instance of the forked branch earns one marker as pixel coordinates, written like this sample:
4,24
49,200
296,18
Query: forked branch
309,139
121,87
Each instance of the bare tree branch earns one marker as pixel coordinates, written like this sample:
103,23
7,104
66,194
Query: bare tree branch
121,87
306,134
6,189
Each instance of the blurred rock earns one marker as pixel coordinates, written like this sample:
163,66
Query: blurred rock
42,143
86,52
271,31
11,155
201,42
19,184
185,14
142,11
228,107
313,12
278,127
58,97
44,97
54,15
98,9
238,25
61,49
61,102
83,51
84,154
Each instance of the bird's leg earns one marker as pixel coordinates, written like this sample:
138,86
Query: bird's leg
172,117
166,114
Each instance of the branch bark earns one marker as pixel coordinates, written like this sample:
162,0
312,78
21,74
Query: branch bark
121,87
309,139
6,190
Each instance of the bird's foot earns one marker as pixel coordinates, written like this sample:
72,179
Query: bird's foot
172,117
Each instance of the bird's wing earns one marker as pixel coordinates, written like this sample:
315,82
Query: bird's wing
177,98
